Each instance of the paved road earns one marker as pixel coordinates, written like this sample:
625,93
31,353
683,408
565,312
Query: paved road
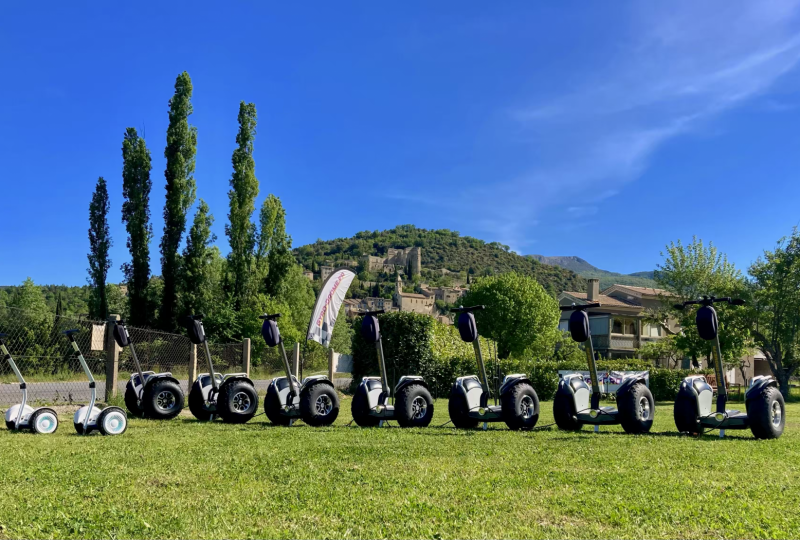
78,392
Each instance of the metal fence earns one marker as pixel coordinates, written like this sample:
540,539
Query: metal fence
54,374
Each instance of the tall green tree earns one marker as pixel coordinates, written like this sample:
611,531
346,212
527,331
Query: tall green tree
241,231
180,153
520,316
774,309
694,270
273,255
197,282
136,186
99,245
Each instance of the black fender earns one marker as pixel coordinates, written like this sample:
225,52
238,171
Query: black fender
688,391
569,388
759,386
508,385
628,383
311,384
152,378
409,382
229,380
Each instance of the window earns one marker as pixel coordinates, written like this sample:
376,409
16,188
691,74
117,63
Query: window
653,330
563,326
617,328
624,326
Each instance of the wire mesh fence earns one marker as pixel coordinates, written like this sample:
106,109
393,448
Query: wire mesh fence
54,375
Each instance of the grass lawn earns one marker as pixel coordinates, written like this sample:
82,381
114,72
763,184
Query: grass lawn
191,480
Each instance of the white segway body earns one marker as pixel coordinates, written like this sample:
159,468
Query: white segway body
581,397
40,420
82,425
13,413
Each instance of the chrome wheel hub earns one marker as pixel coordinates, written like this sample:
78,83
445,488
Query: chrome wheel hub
644,408
241,402
776,413
419,407
324,405
526,407
114,423
165,400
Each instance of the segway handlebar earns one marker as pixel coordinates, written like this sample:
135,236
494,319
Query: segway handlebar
272,317
377,312
708,300
198,317
462,309
582,307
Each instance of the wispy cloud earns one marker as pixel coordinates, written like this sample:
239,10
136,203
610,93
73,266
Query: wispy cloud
686,64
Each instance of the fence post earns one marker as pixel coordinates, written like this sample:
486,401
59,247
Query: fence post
296,360
330,364
192,365
246,355
112,358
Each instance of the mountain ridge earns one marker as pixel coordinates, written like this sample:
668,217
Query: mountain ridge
585,269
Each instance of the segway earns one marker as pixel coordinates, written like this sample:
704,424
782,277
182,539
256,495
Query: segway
765,410
314,400
109,421
575,404
21,416
412,405
149,394
469,397
232,396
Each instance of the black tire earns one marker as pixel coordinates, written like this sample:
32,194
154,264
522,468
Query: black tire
10,425
79,429
273,407
163,399
762,411
132,401
564,412
40,429
516,406
413,406
360,409
636,409
685,414
197,405
458,408
112,421
237,402
319,405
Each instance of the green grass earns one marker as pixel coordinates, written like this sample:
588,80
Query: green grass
185,479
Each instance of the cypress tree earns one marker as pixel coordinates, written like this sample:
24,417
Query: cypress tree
99,245
180,153
240,229
136,185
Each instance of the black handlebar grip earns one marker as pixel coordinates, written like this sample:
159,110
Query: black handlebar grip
462,309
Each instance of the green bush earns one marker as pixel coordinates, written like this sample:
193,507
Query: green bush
664,383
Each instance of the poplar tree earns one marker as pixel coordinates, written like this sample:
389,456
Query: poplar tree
136,185
240,230
180,153
196,280
99,245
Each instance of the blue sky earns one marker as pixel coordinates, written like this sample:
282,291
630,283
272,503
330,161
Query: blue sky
603,130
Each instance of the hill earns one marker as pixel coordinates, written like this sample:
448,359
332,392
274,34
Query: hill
441,249
587,270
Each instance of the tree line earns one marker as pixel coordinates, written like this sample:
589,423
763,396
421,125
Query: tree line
259,274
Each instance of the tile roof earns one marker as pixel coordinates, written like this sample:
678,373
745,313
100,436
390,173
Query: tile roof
605,300
644,290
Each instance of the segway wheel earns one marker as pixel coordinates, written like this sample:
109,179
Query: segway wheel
132,401
237,402
44,421
414,406
163,399
197,405
767,414
564,412
10,425
319,405
458,408
685,414
520,407
360,410
636,409
112,421
272,407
